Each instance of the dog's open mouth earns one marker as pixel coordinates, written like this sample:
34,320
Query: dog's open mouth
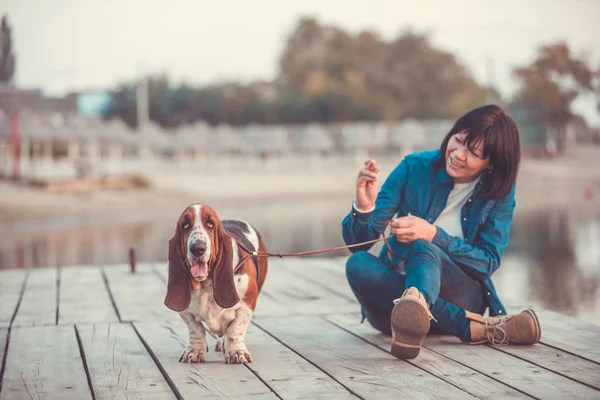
199,270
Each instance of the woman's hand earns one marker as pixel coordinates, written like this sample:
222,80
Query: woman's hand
410,228
367,185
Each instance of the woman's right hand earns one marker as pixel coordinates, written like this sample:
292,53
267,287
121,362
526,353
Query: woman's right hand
367,185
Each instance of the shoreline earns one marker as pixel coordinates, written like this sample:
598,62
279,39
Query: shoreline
567,182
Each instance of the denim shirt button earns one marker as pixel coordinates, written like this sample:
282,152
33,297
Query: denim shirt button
499,311
489,294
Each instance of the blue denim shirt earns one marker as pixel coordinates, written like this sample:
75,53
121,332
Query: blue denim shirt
417,187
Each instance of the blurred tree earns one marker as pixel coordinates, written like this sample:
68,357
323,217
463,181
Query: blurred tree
325,75
7,58
374,79
551,83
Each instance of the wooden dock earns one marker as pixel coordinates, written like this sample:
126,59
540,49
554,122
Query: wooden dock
100,332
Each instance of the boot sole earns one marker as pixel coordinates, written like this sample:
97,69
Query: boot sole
538,328
410,324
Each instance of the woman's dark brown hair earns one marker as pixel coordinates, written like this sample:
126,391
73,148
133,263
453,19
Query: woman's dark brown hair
501,144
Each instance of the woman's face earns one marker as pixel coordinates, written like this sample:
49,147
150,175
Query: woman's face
464,164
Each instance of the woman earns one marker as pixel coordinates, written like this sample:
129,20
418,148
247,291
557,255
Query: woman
454,209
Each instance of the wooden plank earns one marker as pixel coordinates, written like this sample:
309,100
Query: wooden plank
363,369
558,361
521,375
3,339
38,306
568,333
288,374
119,365
267,305
444,368
162,269
212,379
44,362
139,296
301,297
83,296
321,272
11,286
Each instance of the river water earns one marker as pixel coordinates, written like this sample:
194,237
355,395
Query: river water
553,259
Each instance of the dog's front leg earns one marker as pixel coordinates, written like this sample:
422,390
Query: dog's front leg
235,348
196,349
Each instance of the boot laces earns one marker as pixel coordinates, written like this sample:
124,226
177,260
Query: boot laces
495,331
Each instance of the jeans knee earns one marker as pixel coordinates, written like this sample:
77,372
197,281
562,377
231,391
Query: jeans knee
355,265
421,253
422,246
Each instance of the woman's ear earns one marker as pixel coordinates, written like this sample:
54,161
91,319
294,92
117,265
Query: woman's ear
224,290
179,293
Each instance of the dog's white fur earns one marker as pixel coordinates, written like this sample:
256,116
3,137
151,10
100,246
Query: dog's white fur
231,323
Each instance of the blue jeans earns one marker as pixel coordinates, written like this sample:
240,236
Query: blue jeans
448,290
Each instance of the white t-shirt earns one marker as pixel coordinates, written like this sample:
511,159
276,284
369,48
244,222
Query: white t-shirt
449,219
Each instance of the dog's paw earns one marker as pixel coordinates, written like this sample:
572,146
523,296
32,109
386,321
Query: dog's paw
220,346
192,356
238,357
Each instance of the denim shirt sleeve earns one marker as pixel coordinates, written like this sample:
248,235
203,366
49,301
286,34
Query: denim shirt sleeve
482,258
364,226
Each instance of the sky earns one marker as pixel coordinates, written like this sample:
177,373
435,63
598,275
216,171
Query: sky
73,45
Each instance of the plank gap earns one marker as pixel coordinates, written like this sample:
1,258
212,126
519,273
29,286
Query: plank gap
21,295
263,381
327,287
324,318
84,360
483,373
578,355
307,360
158,364
555,371
157,273
4,360
12,319
110,294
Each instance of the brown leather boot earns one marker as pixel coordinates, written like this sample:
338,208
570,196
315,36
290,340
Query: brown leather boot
410,324
523,328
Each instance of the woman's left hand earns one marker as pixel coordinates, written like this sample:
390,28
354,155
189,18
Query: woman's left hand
410,228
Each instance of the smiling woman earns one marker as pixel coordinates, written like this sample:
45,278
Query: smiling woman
483,139
454,209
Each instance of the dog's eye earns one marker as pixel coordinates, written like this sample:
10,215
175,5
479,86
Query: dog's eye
210,224
185,225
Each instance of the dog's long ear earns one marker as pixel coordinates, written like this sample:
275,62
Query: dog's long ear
224,287
179,293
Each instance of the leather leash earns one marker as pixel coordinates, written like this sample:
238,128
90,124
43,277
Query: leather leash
310,252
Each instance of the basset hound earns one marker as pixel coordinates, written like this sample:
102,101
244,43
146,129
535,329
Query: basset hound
203,287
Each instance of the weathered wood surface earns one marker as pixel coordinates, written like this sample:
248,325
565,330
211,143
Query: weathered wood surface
12,287
102,331
139,296
210,380
290,375
519,374
363,369
38,305
118,364
447,369
44,362
83,297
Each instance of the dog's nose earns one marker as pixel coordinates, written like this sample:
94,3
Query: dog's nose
198,248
